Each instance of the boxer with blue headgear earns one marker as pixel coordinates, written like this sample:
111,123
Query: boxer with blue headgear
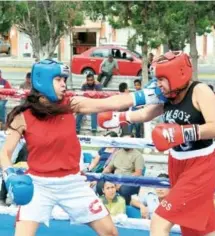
46,119
43,74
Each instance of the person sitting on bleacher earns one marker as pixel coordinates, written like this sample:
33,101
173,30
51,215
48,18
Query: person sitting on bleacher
103,156
125,161
149,202
113,201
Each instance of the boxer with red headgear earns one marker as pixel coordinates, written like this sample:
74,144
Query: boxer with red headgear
187,132
176,68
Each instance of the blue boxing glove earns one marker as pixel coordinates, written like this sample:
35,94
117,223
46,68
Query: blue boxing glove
20,187
151,94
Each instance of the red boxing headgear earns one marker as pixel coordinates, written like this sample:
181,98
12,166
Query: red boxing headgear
175,67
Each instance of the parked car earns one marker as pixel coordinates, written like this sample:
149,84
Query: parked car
130,63
4,47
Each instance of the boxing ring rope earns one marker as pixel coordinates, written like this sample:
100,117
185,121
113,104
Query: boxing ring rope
22,93
100,141
130,180
92,141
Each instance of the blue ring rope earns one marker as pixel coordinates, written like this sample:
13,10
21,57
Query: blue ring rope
130,180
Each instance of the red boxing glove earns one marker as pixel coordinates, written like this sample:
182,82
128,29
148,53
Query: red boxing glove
166,136
111,120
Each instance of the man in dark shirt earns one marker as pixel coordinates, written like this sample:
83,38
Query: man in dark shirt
90,85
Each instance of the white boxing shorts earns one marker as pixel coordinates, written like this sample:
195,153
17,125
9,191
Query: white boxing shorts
71,193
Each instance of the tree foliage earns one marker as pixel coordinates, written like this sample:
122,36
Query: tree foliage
141,16
6,16
174,23
45,22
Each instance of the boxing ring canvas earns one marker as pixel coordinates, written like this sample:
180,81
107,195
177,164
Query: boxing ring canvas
63,227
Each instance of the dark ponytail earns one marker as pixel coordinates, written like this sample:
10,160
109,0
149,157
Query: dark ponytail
41,110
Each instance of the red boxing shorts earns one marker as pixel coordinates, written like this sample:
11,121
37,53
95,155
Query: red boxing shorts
190,201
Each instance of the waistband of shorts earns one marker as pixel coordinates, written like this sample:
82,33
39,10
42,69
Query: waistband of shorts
59,180
192,154
53,173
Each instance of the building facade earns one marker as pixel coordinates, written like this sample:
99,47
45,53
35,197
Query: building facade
98,33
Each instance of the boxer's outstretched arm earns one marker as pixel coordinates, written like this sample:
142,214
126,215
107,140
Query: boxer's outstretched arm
146,114
89,105
146,96
111,119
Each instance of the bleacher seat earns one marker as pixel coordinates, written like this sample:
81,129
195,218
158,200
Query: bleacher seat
87,157
133,212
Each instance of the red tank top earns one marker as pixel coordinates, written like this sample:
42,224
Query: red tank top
53,146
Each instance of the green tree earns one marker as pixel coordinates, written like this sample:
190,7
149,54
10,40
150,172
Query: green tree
45,22
198,24
182,22
173,24
211,16
6,16
140,16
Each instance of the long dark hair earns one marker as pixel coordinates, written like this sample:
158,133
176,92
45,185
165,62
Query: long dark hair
41,110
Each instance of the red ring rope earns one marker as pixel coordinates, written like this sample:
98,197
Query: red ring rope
20,93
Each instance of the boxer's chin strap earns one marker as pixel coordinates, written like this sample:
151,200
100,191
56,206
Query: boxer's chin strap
174,93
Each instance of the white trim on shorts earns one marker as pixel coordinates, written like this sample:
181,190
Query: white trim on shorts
192,154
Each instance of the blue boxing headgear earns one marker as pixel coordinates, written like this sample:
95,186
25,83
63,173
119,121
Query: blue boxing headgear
43,74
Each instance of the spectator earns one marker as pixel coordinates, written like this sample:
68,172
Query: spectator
137,84
150,59
150,201
89,85
124,55
103,156
125,161
27,83
138,127
106,69
117,54
3,84
113,202
123,87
